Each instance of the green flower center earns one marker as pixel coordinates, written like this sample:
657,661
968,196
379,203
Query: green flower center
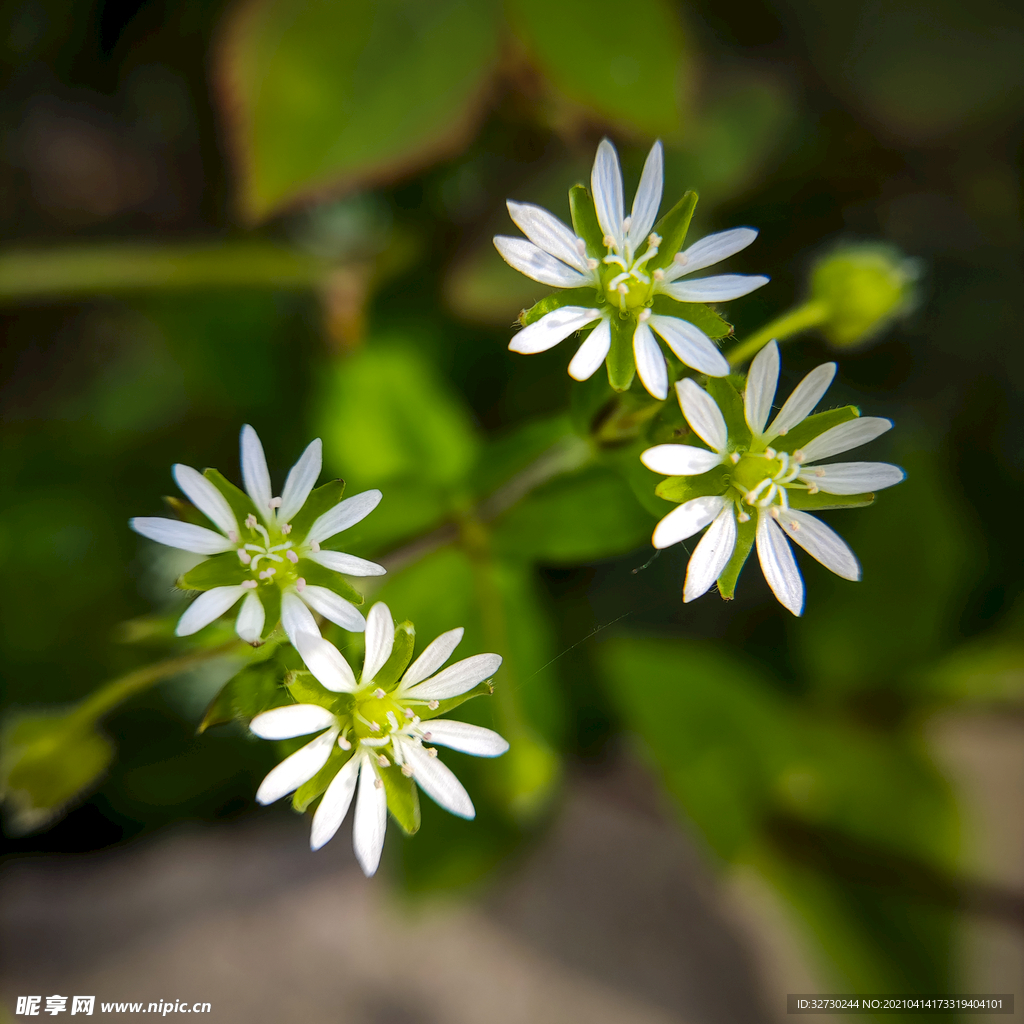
761,478
624,278
375,714
270,555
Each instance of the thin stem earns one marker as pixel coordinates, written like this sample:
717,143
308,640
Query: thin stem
810,314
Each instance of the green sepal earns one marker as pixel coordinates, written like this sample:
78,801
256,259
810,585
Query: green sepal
316,786
270,598
320,576
686,488
745,534
807,430
307,689
401,654
320,500
728,394
584,220
403,798
672,228
699,314
807,502
252,691
586,297
240,502
223,570
425,713
186,511
620,362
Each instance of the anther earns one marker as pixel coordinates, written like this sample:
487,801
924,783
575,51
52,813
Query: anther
433,704
593,264
608,242
244,557
344,743
798,455
383,761
233,536
375,727
734,458
581,247
406,771
314,547
250,521
274,503
784,431
300,584
379,693
250,584
431,751
409,713
644,316
627,223
292,557
769,453
775,512
378,784
794,526
819,472
427,736
743,517
680,259
812,488
659,275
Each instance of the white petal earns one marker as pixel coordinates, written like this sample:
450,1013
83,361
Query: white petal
371,819
691,517
703,415
205,497
648,197
547,232
591,354
433,657
293,771
291,721
711,555
470,739
207,607
335,804
438,781
296,618
537,265
345,514
184,536
552,328
762,380
710,250
380,638
805,397
301,479
650,363
820,542
255,474
852,477
680,459
778,564
350,565
457,679
606,188
844,436
331,606
714,289
691,344
326,663
251,618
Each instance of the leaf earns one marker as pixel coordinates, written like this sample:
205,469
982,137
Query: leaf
327,96
240,502
574,519
223,570
584,220
321,499
811,427
673,228
257,688
697,313
625,66
745,534
401,654
586,297
620,362
403,799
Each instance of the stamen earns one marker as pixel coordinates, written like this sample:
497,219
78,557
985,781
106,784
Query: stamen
644,316
274,503
378,783
344,743
314,547
431,751
819,472
300,584
433,704
769,453
581,247
592,264
427,736
743,517
379,693
244,557
654,239
680,260
250,521
627,223
794,526
383,761
286,529
406,771
659,275
798,455
374,726
812,488
250,584
292,557
409,713
774,512
608,242
734,458
233,536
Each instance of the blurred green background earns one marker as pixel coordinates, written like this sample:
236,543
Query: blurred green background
281,214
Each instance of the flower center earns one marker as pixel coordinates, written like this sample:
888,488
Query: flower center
762,478
271,557
624,278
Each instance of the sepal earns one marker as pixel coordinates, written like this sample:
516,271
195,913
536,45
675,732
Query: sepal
685,488
257,688
728,395
804,501
320,576
321,499
586,297
699,314
584,220
480,690
223,570
306,689
672,228
620,362
315,787
185,511
807,430
401,654
240,502
745,535
403,798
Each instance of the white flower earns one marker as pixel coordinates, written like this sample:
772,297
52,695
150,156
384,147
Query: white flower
271,558
381,729
765,475
625,286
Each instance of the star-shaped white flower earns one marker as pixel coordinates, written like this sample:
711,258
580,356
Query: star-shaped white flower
381,729
624,285
270,554
763,476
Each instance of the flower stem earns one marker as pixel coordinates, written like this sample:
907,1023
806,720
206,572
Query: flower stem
810,314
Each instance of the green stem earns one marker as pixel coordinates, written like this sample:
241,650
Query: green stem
115,692
810,314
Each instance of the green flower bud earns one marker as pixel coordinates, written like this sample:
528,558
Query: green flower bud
863,288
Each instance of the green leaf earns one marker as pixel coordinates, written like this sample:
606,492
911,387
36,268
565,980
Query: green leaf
574,519
626,66
811,427
685,488
223,570
320,576
330,96
47,760
745,534
807,502
401,654
728,394
317,786
587,297
403,799
584,220
511,452
672,228
257,688
698,313
240,502
322,499
620,362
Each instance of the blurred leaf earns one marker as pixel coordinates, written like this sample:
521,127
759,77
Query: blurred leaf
985,671
625,66
255,689
512,452
574,519
327,95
